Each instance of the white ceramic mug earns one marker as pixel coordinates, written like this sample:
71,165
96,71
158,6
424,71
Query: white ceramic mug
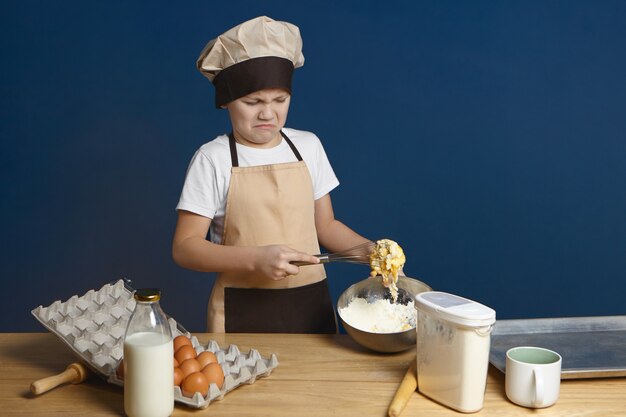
532,376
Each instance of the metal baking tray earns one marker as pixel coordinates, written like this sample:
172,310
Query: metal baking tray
591,347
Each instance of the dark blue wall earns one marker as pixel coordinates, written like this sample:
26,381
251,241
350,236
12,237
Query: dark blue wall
487,138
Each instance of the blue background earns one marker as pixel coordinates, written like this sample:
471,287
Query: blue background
487,138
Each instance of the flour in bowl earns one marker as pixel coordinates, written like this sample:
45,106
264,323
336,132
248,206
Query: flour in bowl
379,316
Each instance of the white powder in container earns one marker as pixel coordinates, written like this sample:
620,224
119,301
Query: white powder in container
379,316
453,341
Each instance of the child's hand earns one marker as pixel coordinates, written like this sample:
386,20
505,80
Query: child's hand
274,261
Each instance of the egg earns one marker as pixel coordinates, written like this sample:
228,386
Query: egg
206,358
214,374
178,376
120,370
190,366
180,341
184,353
196,382
176,364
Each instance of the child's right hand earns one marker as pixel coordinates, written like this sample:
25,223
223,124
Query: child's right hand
274,261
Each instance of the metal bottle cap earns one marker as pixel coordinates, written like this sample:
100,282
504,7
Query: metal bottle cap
147,294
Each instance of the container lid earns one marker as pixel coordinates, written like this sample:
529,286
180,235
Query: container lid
455,309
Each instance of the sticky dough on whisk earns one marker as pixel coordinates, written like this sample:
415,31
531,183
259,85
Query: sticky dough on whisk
387,259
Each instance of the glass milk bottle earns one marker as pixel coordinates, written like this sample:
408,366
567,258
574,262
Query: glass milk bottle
148,359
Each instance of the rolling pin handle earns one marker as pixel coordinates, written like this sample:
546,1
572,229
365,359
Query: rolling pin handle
405,390
74,373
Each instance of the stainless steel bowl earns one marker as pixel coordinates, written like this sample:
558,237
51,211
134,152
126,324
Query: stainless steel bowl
372,289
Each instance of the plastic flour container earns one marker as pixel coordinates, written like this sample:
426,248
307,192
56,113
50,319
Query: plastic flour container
453,339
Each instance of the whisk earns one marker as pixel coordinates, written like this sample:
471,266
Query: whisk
359,254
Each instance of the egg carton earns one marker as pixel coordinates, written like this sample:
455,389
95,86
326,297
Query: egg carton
93,327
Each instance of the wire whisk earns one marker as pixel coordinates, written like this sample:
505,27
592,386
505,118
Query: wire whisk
359,254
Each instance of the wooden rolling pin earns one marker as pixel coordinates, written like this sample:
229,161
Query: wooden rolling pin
74,373
406,388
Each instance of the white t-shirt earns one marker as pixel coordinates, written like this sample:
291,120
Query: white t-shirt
208,176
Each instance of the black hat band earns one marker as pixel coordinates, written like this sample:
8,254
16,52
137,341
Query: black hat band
252,75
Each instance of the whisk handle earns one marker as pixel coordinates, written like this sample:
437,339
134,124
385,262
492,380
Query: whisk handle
324,259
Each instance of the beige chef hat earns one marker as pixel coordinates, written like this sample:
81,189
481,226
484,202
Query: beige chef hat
257,54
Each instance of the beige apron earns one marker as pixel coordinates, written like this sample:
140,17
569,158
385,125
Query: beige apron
266,205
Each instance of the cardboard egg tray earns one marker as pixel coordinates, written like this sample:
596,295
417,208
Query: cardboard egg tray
93,326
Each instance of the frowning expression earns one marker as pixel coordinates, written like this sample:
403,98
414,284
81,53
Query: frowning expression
258,117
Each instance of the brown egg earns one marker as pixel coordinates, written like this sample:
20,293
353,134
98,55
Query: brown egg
196,382
178,376
214,374
206,358
190,366
176,364
120,370
180,341
184,353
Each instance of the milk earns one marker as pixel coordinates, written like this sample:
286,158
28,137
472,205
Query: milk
148,375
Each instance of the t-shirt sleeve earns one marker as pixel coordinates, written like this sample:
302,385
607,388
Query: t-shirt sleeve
200,192
325,179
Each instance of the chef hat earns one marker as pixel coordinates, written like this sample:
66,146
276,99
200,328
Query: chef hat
257,54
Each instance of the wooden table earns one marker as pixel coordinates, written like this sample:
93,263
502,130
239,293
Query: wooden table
316,376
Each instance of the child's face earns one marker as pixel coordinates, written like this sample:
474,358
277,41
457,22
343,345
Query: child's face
258,117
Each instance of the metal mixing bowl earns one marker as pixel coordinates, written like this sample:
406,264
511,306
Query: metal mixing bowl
372,289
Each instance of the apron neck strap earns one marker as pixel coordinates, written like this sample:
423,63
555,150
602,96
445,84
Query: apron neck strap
292,146
233,148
